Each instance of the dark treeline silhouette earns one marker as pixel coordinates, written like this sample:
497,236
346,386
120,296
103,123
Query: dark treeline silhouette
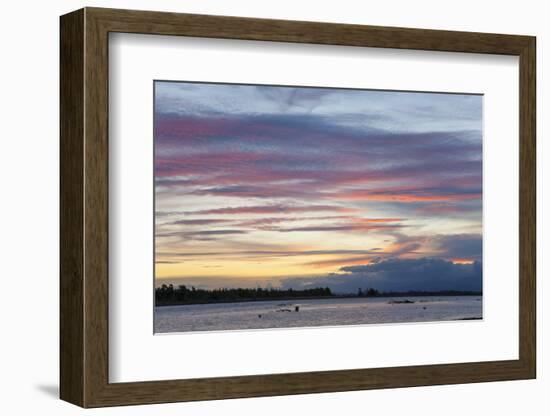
170,295
183,295
367,293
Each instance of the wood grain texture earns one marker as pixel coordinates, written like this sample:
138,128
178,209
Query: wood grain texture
71,100
84,207
96,219
527,208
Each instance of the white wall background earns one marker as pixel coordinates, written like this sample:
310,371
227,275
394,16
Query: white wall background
29,208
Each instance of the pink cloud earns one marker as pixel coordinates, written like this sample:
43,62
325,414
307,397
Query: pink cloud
273,209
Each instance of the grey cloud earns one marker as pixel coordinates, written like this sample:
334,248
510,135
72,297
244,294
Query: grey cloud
469,246
424,274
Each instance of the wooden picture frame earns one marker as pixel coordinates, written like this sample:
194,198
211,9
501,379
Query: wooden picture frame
84,207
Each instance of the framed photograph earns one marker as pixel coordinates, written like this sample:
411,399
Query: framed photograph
254,207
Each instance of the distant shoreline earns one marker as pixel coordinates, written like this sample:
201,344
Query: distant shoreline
412,294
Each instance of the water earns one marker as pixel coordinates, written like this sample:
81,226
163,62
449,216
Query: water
314,312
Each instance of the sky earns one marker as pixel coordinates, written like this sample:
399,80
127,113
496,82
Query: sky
298,187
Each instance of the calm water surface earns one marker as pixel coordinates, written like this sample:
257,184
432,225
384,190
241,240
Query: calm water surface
314,312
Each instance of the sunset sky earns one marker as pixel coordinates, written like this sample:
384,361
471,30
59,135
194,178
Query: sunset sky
301,187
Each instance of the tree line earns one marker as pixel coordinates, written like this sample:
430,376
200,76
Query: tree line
180,295
169,295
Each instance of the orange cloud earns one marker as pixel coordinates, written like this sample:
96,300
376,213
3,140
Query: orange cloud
462,261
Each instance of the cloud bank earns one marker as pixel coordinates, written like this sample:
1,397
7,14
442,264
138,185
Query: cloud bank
394,274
